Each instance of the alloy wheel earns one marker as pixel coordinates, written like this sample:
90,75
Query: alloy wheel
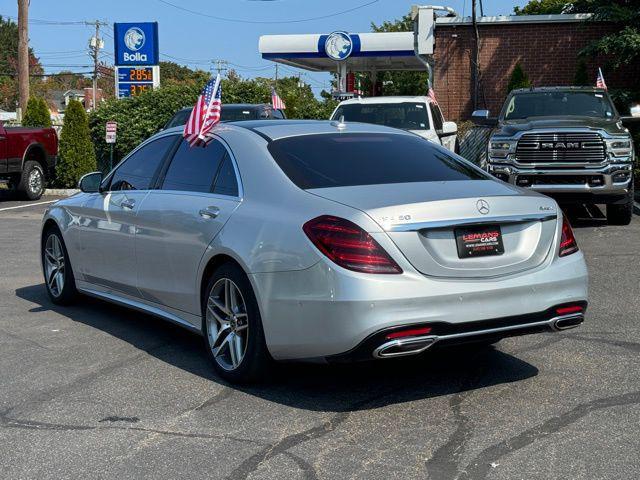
227,324
54,265
35,181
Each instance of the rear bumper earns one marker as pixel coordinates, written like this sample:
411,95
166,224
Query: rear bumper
325,311
443,334
608,184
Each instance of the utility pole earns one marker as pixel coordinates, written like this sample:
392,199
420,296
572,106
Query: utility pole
475,76
221,66
23,54
276,79
95,45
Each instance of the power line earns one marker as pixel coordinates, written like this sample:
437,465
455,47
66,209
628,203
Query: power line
238,20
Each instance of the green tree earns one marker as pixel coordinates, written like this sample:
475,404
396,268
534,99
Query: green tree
399,83
519,79
582,77
32,115
9,63
172,73
542,7
76,153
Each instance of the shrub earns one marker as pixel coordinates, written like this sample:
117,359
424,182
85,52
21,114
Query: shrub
76,154
37,113
519,79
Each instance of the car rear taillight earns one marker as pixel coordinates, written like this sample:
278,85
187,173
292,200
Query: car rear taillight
349,246
568,244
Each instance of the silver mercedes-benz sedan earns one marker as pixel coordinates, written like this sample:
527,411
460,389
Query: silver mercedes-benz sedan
315,240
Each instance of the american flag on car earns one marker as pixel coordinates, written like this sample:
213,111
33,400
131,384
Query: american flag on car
276,102
600,80
205,114
432,96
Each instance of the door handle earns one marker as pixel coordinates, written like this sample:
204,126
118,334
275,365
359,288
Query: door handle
128,203
209,212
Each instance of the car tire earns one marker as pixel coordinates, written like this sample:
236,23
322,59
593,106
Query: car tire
32,181
623,213
56,267
232,327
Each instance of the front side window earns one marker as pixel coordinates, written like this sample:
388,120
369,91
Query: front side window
436,114
139,170
194,169
558,104
349,159
407,115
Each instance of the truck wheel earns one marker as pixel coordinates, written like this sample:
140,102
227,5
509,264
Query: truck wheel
621,214
32,181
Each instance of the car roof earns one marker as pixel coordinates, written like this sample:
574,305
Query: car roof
234,105
560,89
389,99
277,129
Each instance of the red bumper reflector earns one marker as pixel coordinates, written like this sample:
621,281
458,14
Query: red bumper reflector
412,332
567,310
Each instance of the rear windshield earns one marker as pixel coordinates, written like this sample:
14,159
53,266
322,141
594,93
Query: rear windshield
179,118
558,104
348,159
234,114
407,115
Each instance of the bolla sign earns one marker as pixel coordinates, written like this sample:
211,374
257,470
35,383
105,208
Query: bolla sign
136,43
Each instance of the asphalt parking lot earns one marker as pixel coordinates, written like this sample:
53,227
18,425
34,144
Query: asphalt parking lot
96,391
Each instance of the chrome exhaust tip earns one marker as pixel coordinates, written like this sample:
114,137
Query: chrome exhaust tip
404,346
570,321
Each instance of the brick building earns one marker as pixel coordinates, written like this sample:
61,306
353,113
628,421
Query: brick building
546,46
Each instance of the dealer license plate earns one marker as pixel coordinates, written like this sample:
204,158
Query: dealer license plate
479,241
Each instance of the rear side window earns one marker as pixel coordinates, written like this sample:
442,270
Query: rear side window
226,182
138,171
348,159
193,169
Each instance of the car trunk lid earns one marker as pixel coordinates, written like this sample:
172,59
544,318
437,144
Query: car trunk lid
423,220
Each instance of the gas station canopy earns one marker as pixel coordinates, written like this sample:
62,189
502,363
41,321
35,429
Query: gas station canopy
362,51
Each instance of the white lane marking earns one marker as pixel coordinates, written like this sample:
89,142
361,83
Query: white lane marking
28,205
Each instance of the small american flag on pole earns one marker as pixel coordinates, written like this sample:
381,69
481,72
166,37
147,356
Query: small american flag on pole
432,96
276,102
600,80
205,113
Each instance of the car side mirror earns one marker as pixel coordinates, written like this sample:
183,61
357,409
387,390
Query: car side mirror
90,183
449,128
481,117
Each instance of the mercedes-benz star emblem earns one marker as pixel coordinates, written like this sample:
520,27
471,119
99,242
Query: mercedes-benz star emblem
482,206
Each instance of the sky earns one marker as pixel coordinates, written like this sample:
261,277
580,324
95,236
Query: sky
60,40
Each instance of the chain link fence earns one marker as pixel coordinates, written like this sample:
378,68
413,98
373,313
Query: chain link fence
473,144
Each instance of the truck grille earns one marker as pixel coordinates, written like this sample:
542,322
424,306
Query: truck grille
561,147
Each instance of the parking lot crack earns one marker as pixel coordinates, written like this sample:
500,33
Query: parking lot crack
480,466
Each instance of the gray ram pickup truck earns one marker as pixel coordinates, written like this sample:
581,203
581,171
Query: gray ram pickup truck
566,142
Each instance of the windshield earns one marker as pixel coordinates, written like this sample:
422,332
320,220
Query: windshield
558,104
348,159
407,115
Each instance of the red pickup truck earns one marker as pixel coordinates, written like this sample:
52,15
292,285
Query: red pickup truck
27,158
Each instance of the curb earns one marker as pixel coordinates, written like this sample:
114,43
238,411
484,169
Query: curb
61,192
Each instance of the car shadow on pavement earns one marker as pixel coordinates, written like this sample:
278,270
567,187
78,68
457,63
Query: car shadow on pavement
585,216
339,387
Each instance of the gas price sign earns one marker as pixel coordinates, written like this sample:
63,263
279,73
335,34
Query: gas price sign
132,81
